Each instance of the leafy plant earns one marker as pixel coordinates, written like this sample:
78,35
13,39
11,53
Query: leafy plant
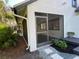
5,11
7,36
60,43
9,15
1,4
70,34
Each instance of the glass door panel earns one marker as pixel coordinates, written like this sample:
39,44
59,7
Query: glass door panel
41,37
55,26
41,25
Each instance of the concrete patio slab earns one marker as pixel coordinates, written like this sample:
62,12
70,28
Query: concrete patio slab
77,57
48,51
56,56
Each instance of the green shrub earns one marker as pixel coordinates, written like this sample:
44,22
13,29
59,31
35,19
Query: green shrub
7,37
1,4
6,45
60,43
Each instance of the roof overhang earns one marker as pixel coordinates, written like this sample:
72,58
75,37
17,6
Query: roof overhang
26,2
16,3
20,7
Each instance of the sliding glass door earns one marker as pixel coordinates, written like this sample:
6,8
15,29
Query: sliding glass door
48,26
55,26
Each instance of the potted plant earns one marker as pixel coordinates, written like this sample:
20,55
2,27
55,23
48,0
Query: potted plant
70,34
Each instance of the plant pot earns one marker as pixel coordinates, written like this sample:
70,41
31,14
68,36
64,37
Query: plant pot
70,34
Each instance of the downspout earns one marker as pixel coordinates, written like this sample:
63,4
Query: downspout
19,16
15,14
23,36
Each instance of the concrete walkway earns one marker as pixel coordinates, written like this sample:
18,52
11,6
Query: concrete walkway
47,52
33,55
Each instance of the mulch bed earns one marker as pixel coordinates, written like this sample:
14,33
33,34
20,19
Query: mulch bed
14,52
69,49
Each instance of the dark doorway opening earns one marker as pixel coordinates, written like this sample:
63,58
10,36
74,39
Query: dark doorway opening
24,23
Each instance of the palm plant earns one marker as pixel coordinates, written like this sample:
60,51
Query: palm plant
6,15
6,18
1,10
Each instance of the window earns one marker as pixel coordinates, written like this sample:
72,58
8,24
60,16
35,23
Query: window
43,27
48,26
40,14
74,3
54,24
41,24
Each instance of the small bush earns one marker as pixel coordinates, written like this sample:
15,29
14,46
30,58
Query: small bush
60,43
7,37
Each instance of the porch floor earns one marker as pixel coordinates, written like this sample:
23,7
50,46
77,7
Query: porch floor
47,51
